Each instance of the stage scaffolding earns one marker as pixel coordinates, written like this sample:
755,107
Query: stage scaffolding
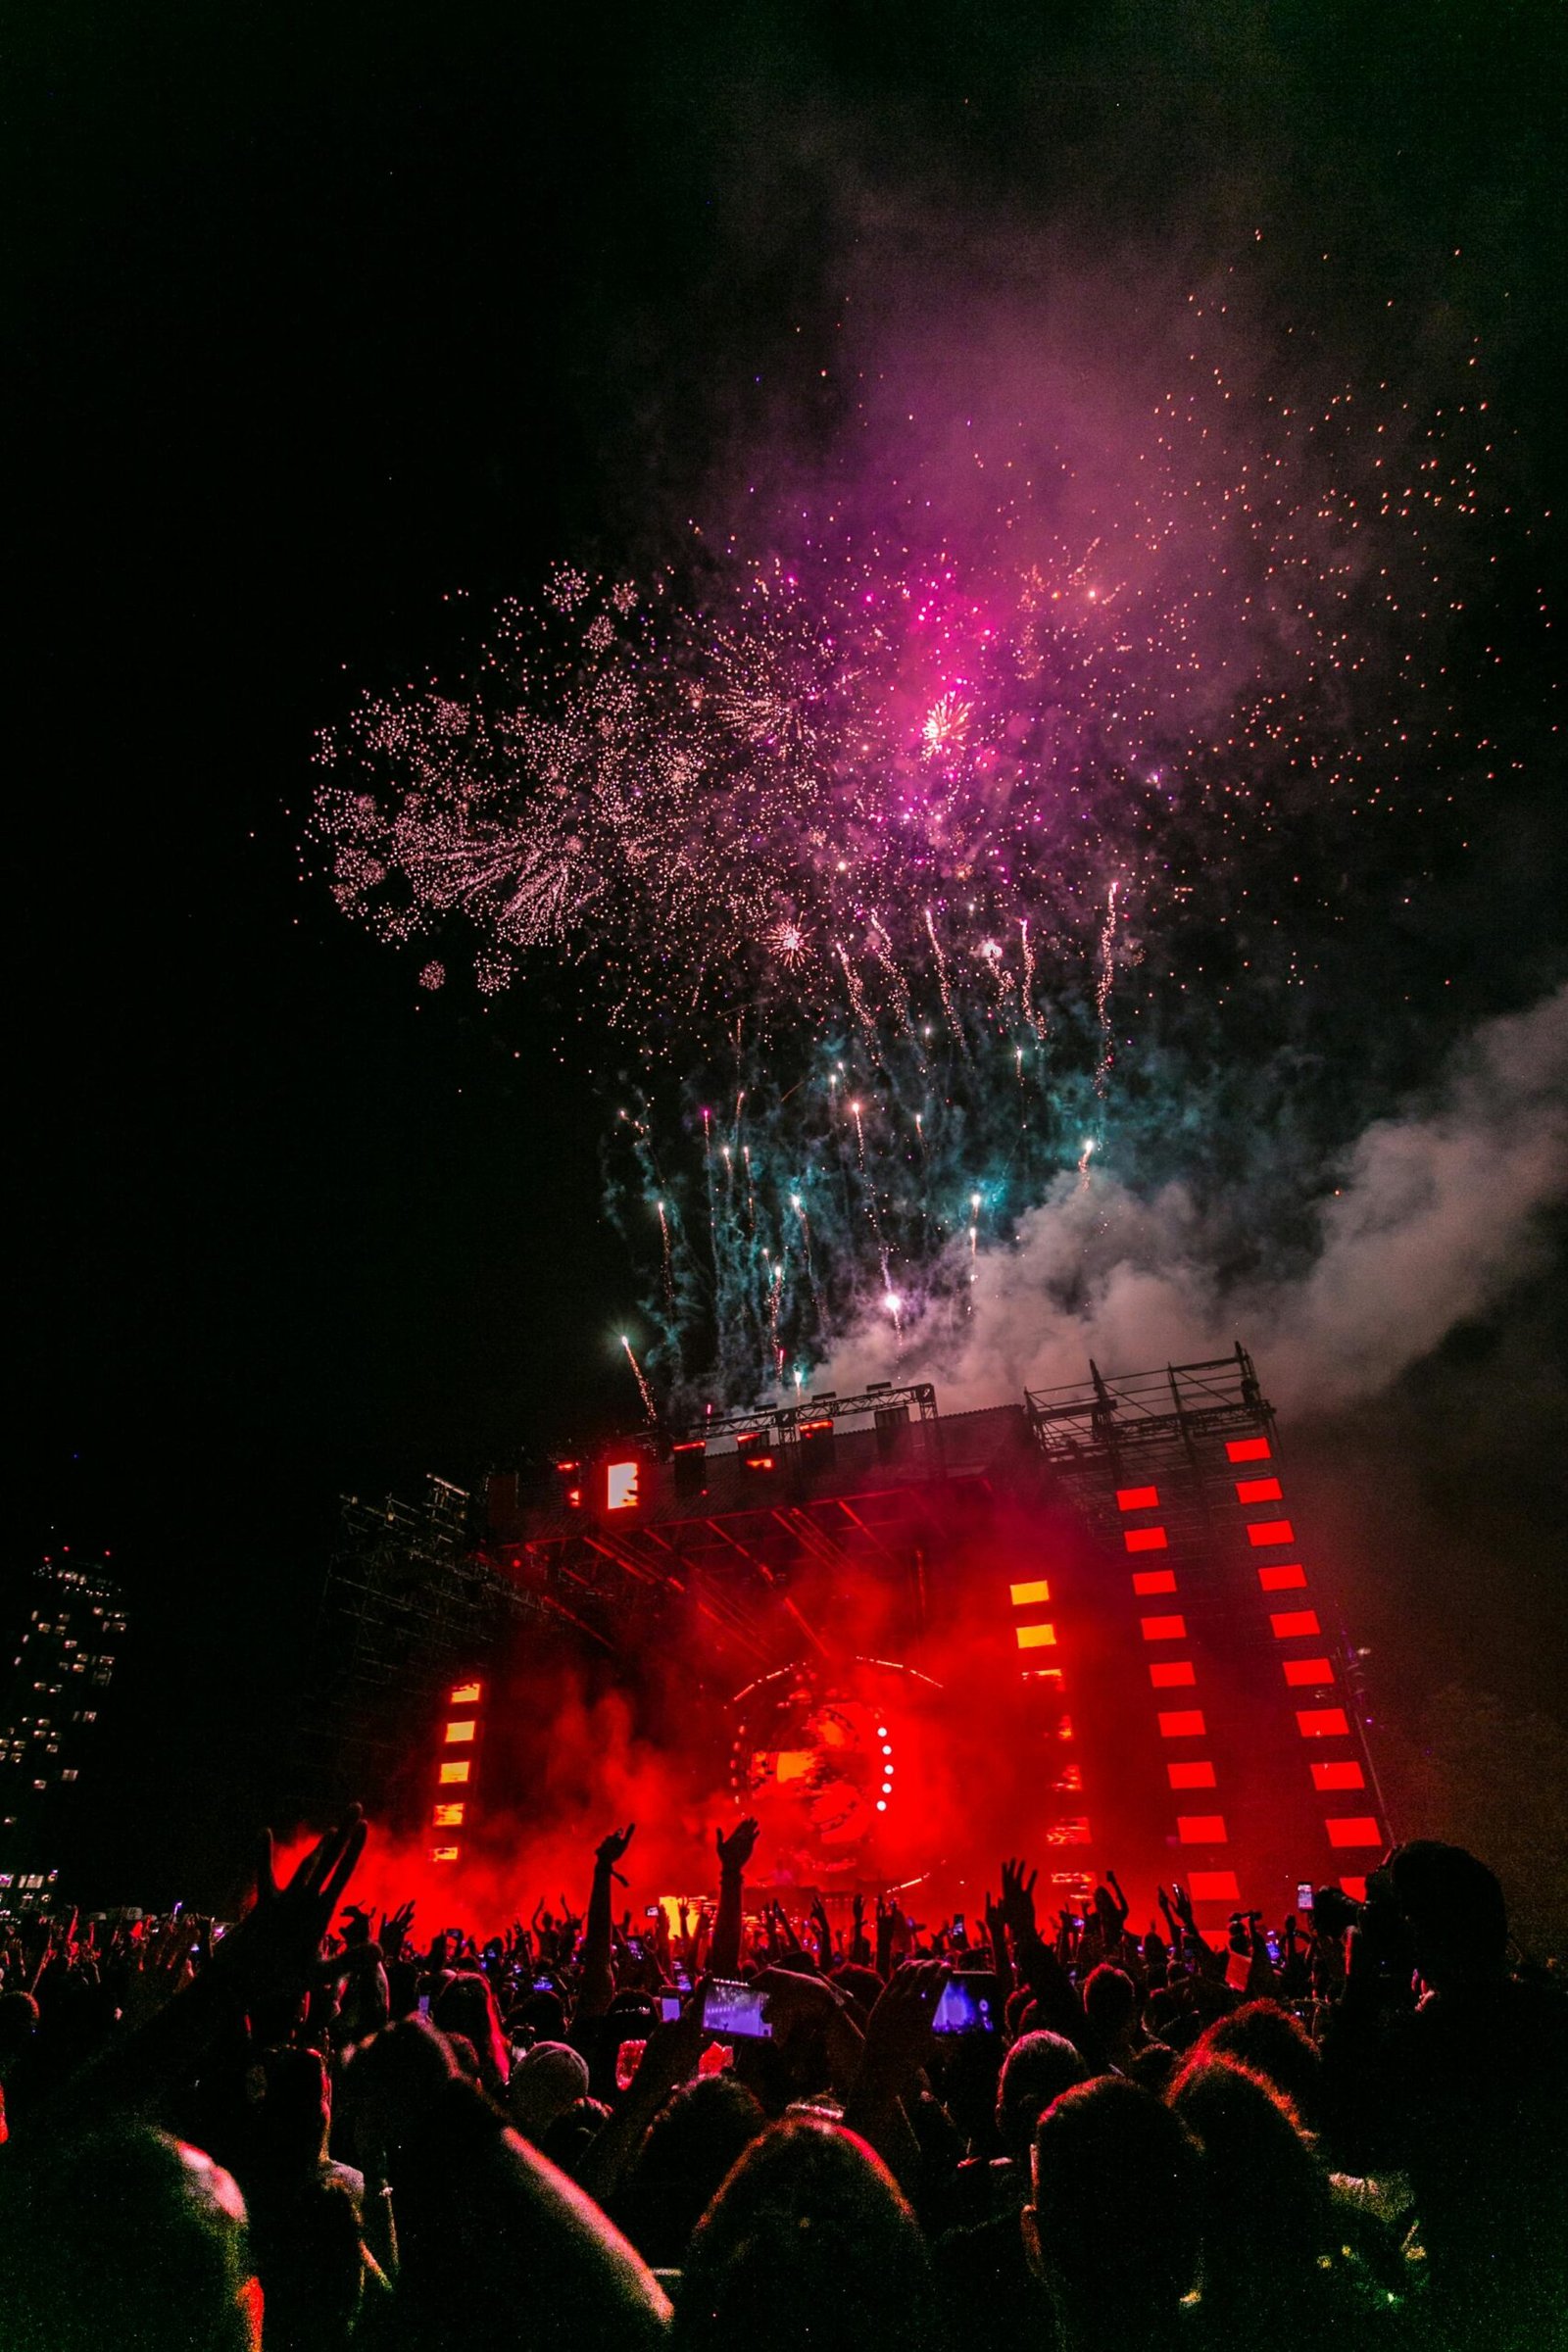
409,1601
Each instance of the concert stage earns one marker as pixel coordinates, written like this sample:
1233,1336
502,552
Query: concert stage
1084,1627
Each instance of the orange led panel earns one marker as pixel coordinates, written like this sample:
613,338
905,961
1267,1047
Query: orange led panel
1138,1499
621,1485
1185,1724
447,1817
460,1735
1026,1596
1155,1580
466,1694
1145,1539
1201,1829
1270,1531
1290,1624
1190,1775
1322,1723
1212,1887
1248,1450
1259,1490
1036,1637
1164,1629
1354,1829
1307,1673
443,1854
1338,1776
1172,1674
1285,1578
454,1775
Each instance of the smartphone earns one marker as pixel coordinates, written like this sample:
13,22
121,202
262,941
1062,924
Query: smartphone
652,1911
424,2004
670,2007
683,1983
1271,1944
543,1984
959,1928
739,2010
1303,1896
636,1946
968,2005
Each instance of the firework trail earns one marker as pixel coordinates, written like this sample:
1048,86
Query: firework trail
642,1389
831,827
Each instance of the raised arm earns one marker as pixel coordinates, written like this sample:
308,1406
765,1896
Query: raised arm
598,1979
734,1853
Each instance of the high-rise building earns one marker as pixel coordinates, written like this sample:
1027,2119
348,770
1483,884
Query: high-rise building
63,1658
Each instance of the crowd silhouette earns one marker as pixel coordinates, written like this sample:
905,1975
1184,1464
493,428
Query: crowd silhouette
752,2128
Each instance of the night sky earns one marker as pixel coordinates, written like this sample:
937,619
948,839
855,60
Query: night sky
325,327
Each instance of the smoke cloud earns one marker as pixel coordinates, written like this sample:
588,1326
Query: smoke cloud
1428,1219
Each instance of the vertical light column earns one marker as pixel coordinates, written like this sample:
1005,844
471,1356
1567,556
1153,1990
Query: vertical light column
460,1742
1165,1631
1335,1774
1036,1638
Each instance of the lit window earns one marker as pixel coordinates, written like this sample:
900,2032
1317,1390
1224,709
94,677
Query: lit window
1354,1829
1026,1596
1248,1450
1172,1674
460,1735
1145,1539
1289,1624
1155,1580
1212,1887
1201,1829
1190,1775
1322,1723
1270,1531
447,1817
454,1775
466,1694
1138,1499
1036,1637
1306,1673
1187,1722
1285,1578
1164,1629
621,1485
70,1773
1338,1776
1259,1490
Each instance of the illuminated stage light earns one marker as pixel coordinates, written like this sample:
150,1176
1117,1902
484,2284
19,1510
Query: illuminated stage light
1307,1673
1190,1775
447,1817
1248,1449
466,1694
1029,1595
454,1775
1290,1624
1164,1629
1270,1531
1354,1829
1145,1539
1212,1887
1322,1723
1285,1578
458,1735
1185,1723
443,1854
1036,1637
1259,1490
1155,1580
1172,1674
1338,1776
1201,1829
621,1485
1138,1499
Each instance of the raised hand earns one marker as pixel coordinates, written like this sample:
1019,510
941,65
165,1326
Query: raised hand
1017,1904
610,1849
274,1948
737,1849
897,2033
395,1926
